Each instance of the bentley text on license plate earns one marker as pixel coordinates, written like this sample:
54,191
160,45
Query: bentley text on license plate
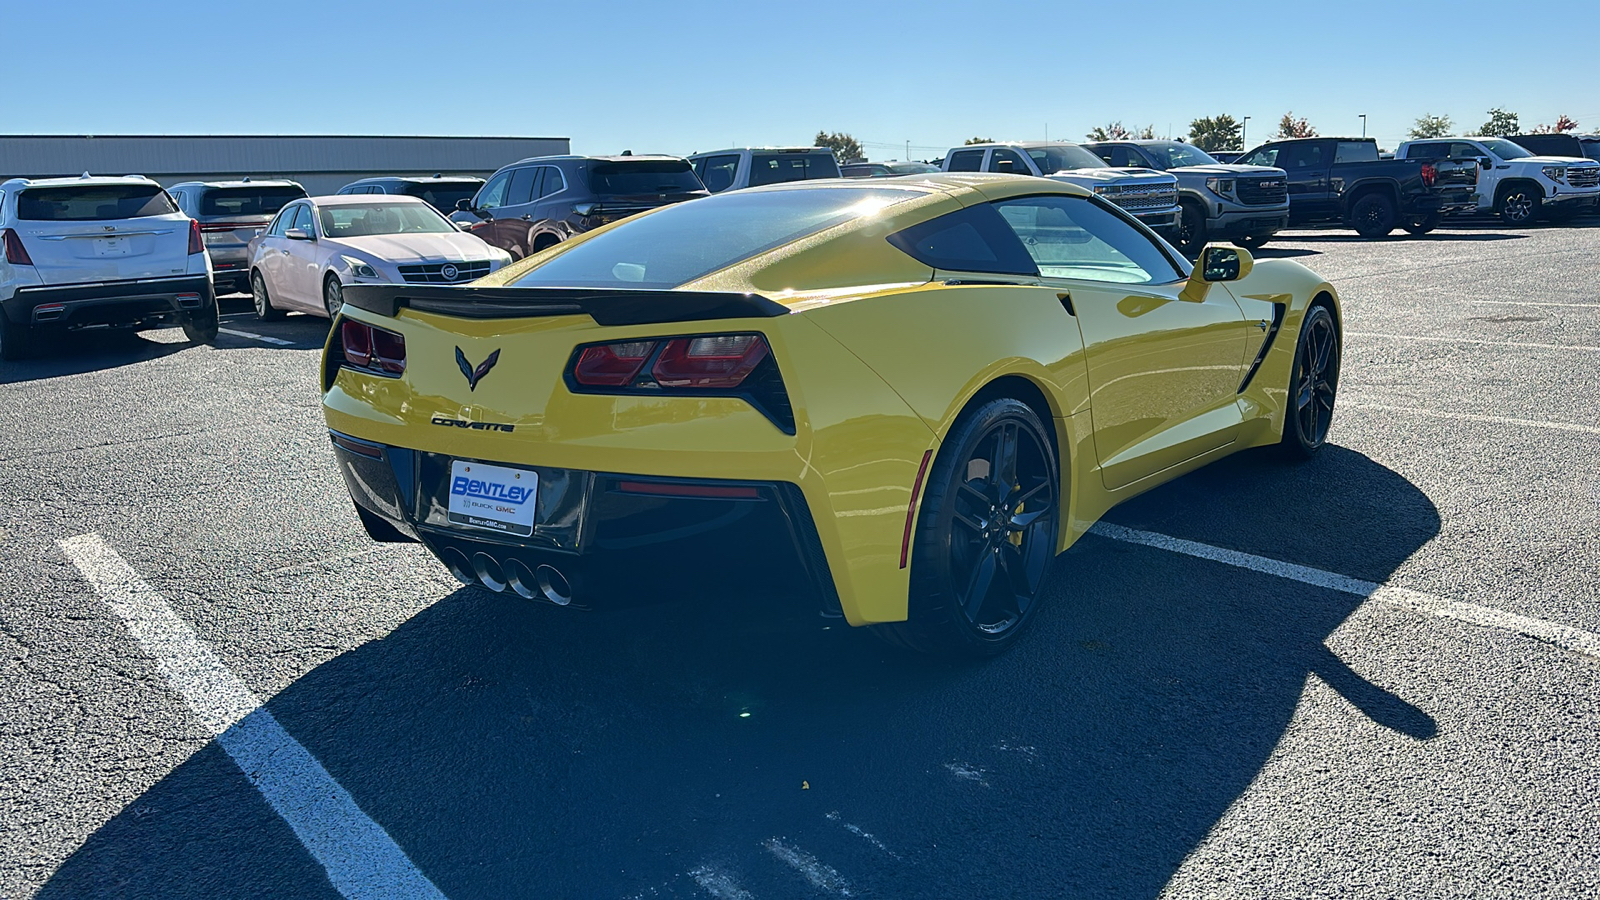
492,497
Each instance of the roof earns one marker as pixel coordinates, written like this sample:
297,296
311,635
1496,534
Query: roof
416,179
268,182
776,149
1027,145
85,178
365,199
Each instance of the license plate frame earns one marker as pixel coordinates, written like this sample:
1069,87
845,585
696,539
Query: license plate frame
492,498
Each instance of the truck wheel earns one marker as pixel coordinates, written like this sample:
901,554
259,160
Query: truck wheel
1519,204
1422,224
1373,216
1253,242
16,341
1191,229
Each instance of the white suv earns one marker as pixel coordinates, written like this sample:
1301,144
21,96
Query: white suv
98,252
1515,184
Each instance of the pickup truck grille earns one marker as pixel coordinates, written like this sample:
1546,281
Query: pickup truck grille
1262,191
433,273
1586,177
1141,197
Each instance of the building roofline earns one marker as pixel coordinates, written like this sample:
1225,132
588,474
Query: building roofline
360,137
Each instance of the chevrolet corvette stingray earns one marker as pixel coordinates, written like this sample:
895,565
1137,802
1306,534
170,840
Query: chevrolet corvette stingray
910,394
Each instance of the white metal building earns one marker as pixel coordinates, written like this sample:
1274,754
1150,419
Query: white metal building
322,163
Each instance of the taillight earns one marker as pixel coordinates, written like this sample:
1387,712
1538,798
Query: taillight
16,254
718,361
612,365
1430,174
373,349
195,245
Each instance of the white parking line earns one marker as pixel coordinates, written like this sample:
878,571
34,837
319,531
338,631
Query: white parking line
1576,640
1462,340
1477,417
1595,306
822,876
256,337
361,859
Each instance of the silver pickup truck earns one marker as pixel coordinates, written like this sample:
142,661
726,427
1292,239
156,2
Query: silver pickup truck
1150,196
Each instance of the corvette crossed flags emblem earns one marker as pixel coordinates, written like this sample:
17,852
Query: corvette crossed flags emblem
475,375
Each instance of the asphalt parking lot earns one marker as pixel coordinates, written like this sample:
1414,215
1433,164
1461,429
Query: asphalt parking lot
1376,674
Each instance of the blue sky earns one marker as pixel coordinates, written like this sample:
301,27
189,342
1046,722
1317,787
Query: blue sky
680,77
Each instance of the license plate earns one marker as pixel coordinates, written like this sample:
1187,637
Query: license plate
494,498
111,246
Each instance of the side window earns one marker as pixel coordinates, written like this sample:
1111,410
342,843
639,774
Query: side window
1300,156
281,222
966,161
553,181
1008,162
493,194
1119,156
974,239
717,172
1355,151
1464,150
1074,237
524,185
1266,156
302,220
1425,151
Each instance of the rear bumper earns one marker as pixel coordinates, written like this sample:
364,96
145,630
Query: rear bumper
614,540
116,303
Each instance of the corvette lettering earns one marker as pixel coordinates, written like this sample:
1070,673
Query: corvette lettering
475,426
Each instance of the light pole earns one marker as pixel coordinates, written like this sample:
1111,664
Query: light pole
1363,124
1244,129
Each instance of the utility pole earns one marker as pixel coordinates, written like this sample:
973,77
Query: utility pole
1244,128
908,149
1363,124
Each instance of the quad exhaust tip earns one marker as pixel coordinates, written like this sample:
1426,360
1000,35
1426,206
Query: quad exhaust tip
542,583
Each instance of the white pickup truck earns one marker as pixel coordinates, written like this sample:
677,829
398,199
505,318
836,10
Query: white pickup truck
1515,184
1148,195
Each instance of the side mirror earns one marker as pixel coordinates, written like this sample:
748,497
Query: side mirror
297,234
464,204
1218,263
1484,163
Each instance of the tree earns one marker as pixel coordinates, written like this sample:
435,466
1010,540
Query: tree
843,145
1222,132
1431,126
1115,132
1500,123
1290,127
977,140
1562,126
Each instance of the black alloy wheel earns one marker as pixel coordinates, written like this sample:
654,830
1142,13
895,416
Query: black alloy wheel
1373,216
332,296
986,535
1519,205
1313,385
1191,229
265,311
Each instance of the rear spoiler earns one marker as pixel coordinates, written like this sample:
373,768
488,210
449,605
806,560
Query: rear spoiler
607,307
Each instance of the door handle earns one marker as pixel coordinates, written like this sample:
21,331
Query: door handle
1066,303
527,217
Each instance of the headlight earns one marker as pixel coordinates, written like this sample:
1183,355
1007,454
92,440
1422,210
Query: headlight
1222,187
360,268
1104,189
1555,173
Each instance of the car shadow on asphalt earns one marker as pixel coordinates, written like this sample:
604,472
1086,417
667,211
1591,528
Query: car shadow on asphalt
1401,236
519,750
1283,252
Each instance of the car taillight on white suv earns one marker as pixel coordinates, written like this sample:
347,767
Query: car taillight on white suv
196,245
16,254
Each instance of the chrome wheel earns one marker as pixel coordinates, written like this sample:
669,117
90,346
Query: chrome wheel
1317,367
1002,527
262,300
333,297
1517,207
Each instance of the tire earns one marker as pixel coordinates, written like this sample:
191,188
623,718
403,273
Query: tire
1313,385
16,341
1191,236
982,547
1423,224
544,242
332,296
200,326
1519,204
265,311
1252,242
1373,216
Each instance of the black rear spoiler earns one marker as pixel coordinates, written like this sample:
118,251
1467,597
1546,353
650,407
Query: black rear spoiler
607,307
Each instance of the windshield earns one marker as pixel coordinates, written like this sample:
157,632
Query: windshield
366,219
1057,157
686,241
1503,148
911,168
91,202
643,177
1175,155
442,195
247,201
776,168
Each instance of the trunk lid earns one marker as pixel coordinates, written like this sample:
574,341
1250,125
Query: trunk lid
118,231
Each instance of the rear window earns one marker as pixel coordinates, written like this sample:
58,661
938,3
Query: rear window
643,177
444,194
679,243
1355,151
247,201
90,202
777,168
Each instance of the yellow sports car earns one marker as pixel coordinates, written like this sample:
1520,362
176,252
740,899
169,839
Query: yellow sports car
913,392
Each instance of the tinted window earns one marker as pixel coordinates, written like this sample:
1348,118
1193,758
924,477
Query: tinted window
1059,157
554,182
345,221
281,223
1355,151
302,220
966,161
524,185
865,170
81,203
685,241
642,177
1073,237
974,239
493,194
1176,155
442,195
776,168
910,168
1300,156
247,201
718,171
1008,162
1428,151
1265,156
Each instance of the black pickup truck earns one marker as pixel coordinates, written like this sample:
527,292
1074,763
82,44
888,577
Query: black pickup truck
1343,180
